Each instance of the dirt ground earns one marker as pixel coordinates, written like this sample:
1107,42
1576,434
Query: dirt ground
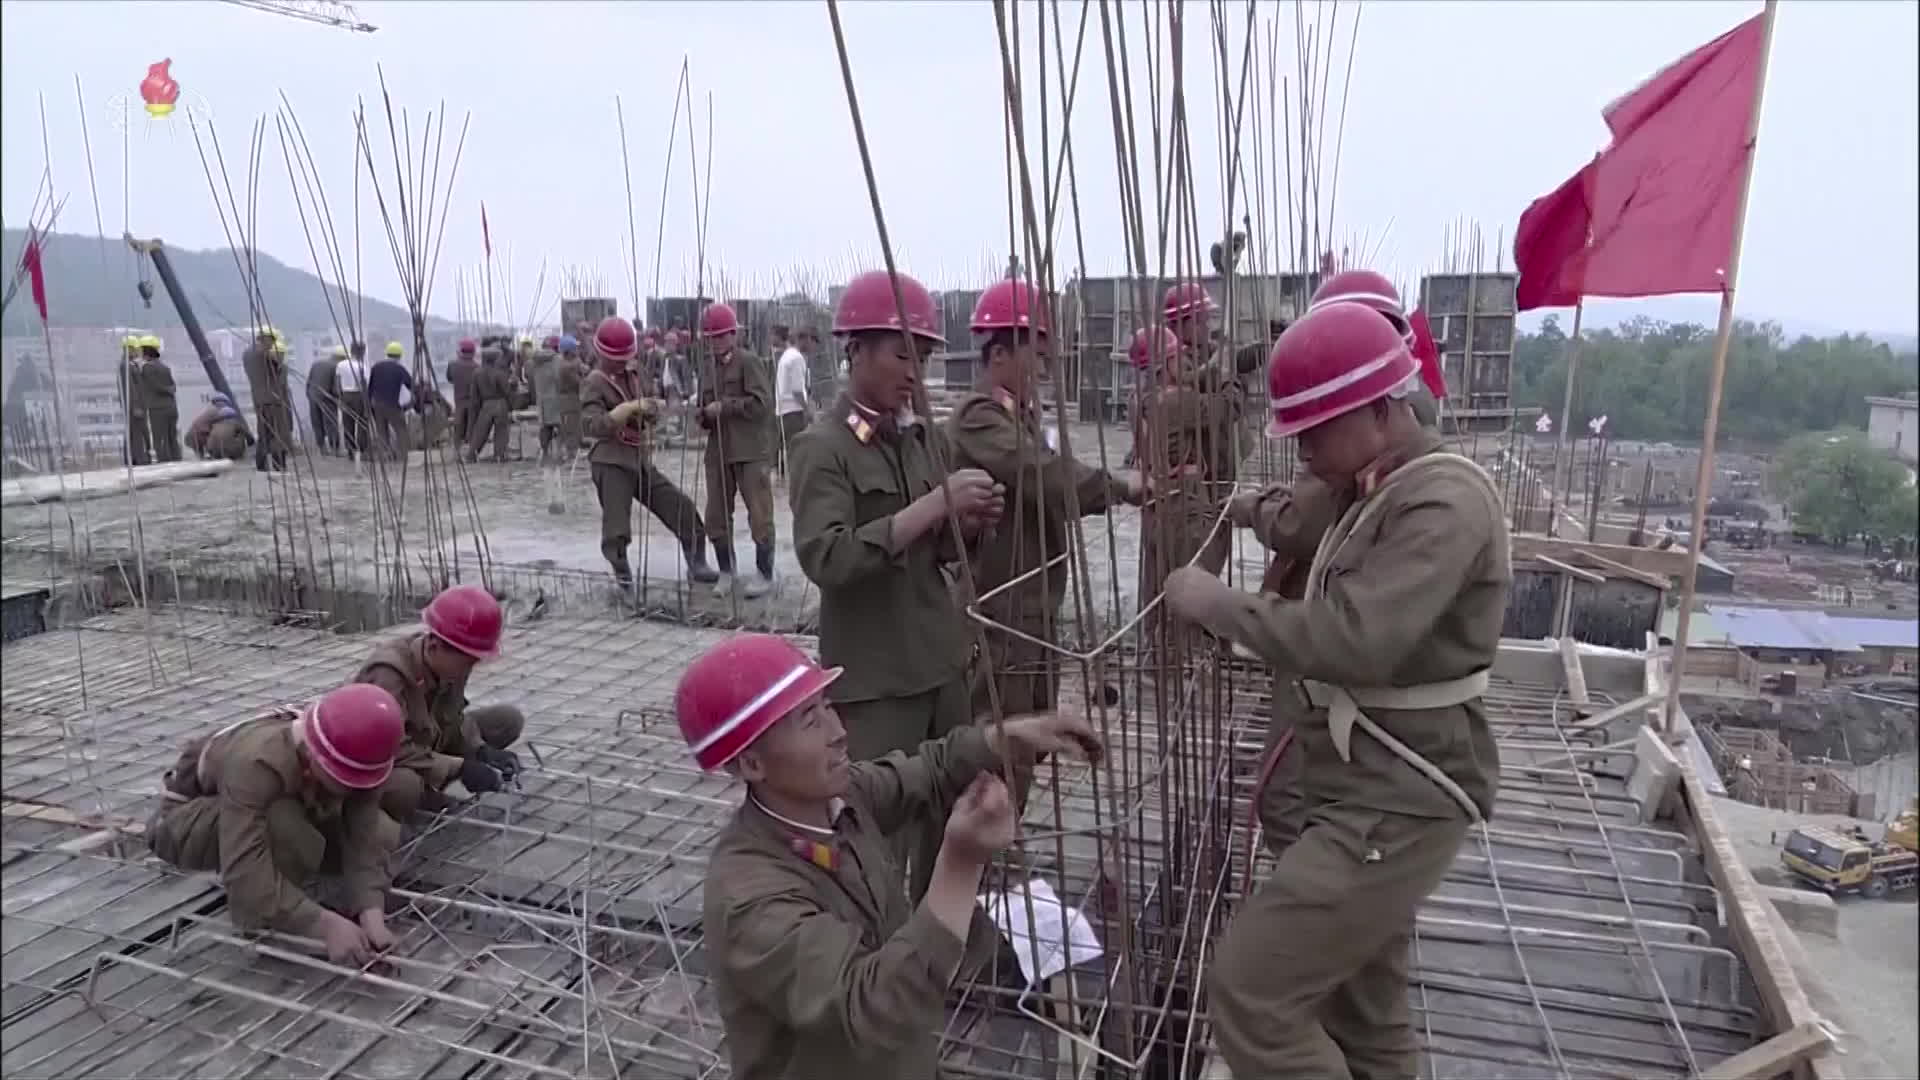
1871,971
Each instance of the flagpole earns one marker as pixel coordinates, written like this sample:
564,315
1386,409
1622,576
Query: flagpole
1703,478
1566,423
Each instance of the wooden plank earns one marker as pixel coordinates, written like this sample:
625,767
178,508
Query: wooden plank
1779,1054
1570,669
1621,569
1587,576
1602,719
1669,564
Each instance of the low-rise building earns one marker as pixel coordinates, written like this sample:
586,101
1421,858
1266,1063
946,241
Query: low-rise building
1893,424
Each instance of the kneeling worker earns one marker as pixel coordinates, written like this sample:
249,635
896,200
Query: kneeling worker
1388,652
271,801
821,965
426,671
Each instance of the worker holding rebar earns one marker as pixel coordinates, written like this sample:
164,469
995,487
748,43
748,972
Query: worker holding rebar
218,431
271,801
161,398
133,401
998,429
323,400
567,373
618,411
1388,654
821,965
446,738
460,371
491,393
265,363
735,407
873,507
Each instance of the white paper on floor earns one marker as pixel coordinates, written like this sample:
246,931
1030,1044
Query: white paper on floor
1053,940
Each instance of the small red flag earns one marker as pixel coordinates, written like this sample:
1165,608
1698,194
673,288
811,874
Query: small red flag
1661,202
1427,352
30,259
486,237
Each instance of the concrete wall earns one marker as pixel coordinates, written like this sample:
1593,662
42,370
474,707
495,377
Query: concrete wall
1757,664
1894,424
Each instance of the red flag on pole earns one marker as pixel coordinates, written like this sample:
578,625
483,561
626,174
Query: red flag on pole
30,259
486,237
1660,203
1427,353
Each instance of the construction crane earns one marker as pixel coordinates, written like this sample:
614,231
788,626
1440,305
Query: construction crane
324,12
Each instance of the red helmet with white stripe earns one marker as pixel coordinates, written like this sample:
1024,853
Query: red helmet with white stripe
1141,351
1367,287
1187,299
352,734
1010,305
868,304
717,319
736,690
1333,360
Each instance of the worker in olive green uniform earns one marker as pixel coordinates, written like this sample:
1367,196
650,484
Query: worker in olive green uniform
997,429
821,965
460,371
736,409
1389,654
265,363
271,801
218,431
872,528
163,405
446,739
541,369
323,400
133,399
488,394
567,373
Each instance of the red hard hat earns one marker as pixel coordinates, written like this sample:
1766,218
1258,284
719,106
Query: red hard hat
1367,287
468,618
352,734
613,338
736,690
1331,361
1185,299
868,305
467,346
718,319
552,341
1141,351
1010,305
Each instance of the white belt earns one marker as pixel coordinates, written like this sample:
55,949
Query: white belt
1343,705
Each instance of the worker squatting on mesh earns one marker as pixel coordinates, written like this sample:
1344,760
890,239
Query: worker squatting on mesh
446,740
273,800
872,527
619,409
735,408
1395,635
821,966
997,429
218,432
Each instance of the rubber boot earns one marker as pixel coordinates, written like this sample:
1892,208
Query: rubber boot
698,571
762,582
723,581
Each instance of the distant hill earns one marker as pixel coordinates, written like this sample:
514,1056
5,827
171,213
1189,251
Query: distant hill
80,292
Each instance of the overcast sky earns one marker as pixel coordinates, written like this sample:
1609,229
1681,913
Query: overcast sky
1457,111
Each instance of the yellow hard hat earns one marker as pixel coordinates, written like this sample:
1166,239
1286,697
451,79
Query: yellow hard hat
394,350
131,341
526,342
339,352
150,341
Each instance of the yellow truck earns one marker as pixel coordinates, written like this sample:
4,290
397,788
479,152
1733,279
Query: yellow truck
1836,861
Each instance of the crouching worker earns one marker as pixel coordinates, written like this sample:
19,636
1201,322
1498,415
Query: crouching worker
271,801
820,964
426,671
218,432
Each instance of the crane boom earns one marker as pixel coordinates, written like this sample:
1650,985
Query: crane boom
156,252
324,12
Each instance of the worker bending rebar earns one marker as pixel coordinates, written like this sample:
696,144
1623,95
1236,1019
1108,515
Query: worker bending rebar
997,429
619,411
446,739
821,965
1394,637
871,528
735,407
273,800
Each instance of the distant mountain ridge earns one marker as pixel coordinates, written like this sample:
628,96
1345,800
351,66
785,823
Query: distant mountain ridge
83,292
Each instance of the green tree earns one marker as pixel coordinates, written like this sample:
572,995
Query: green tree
1839,486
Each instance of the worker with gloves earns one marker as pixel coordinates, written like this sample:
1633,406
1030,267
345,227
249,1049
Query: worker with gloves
619,409
161,399
275,799
735,407
218,431
821,965
997,429
426,671
1388,654
872,527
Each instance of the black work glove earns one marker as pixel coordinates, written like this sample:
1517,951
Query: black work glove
478,776
504,762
